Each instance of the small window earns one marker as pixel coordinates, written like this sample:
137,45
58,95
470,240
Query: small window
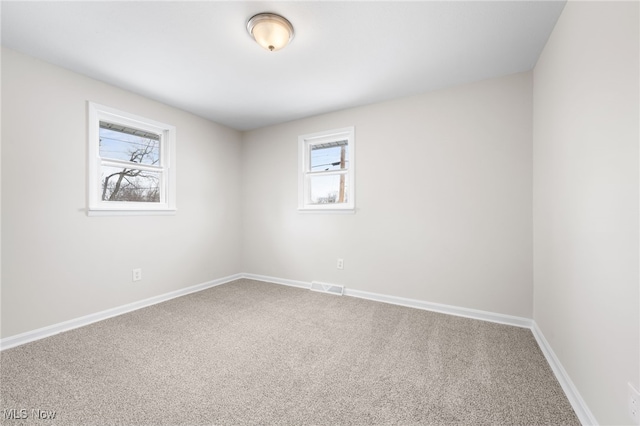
131,164
326,170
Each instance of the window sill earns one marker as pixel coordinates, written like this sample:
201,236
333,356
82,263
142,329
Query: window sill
132,212
311,210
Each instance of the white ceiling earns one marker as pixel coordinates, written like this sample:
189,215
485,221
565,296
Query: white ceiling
199,57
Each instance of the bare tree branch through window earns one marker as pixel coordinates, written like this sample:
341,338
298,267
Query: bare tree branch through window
132,184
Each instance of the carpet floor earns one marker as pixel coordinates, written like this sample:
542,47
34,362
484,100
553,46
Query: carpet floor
252,353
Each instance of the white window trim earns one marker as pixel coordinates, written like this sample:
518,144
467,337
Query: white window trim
95,205
304,142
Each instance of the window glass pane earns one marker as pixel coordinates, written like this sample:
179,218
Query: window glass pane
330,156
120,184
328,189
127,144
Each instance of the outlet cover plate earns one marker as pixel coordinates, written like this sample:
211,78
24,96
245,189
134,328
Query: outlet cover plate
634,404
136,274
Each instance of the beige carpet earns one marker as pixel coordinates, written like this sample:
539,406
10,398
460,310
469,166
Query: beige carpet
255,353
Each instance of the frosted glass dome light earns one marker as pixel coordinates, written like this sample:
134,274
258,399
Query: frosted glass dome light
271,31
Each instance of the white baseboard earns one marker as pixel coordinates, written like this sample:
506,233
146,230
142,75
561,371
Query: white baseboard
579,406
444,309
411,303
41,333
274,280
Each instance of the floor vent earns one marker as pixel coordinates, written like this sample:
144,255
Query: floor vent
338,290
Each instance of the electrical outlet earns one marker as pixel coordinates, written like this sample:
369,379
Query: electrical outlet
634,405
137,274
340,264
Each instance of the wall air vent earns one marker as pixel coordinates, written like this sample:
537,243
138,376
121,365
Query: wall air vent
336,289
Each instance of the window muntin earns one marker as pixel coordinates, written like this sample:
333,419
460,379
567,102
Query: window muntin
130,168
326,170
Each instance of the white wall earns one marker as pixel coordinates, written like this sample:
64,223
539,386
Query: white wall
58,263
452,204
586,300
443,200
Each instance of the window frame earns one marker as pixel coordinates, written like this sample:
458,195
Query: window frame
305,142
167,169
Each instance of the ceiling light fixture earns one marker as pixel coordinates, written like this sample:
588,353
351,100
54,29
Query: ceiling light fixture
271,31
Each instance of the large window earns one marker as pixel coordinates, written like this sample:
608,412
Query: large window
326,170
131,164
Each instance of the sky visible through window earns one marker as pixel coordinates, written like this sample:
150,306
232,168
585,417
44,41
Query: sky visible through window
323,159
127,183
117,145
326,189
